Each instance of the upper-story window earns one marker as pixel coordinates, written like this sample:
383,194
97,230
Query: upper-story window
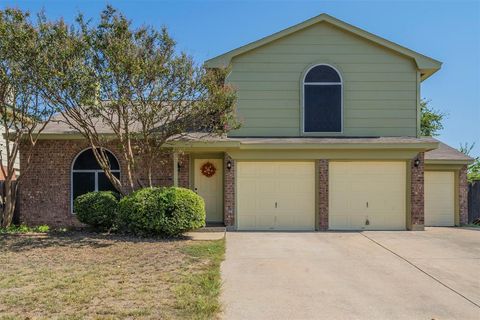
322,100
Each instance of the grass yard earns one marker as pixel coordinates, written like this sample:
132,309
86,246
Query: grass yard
90,276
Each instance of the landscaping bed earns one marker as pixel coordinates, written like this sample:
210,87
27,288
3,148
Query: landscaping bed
81,275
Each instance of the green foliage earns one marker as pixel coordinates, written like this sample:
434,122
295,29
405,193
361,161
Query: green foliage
97,209
116,73
23,111
473,171
161,211
22,228
43,228
431,119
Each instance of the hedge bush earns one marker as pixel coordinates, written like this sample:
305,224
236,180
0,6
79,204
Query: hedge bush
161,211
97,209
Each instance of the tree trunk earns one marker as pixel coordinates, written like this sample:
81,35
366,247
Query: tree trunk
9,203
150,183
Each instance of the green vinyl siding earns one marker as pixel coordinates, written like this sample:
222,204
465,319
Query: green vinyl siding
379,93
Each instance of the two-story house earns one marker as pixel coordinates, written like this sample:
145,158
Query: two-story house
330,141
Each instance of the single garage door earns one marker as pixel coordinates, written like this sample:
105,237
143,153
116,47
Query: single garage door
439,198
367,195
276,195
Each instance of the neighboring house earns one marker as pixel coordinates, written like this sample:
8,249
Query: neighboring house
330,141
3,152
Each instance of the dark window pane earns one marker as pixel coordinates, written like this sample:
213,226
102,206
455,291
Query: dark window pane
322,74
323,111
104,183
86,161
82,183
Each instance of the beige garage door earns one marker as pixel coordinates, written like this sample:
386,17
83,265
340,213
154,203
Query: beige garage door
276,196
367,195
439,198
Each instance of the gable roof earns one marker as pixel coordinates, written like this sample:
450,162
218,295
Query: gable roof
426,65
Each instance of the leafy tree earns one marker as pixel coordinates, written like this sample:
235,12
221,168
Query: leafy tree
134,83
431,119
23,113
473,170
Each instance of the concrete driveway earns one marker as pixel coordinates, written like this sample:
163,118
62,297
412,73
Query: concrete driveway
353,275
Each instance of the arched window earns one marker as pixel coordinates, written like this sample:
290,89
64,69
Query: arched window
322,100
88,176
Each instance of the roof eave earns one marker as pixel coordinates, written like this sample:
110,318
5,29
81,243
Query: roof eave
449,161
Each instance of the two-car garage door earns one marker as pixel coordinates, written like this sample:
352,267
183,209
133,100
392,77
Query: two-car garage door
281,195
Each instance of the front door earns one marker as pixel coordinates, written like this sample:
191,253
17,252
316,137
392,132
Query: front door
209,185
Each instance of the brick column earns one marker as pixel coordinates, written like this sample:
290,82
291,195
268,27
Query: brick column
322,168
229,192
184,172
417,220
463,195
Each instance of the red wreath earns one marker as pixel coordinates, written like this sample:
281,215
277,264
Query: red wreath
208,169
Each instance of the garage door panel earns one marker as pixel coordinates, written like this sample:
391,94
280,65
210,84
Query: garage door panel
294,186
265,204
289,185
439,198
265,186
265,221
248,221
290,207
367,195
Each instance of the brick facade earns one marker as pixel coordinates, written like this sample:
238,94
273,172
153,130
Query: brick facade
322,171
417,212
229,192
463,195
184,171
44,193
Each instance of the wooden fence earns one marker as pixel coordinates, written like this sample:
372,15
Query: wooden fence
473,200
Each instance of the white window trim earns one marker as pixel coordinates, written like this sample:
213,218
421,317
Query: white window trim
303,84
96,172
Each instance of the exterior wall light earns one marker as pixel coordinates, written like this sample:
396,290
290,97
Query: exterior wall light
416,163
229,165
179,166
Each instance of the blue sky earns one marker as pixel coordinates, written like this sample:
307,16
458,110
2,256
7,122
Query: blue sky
445,30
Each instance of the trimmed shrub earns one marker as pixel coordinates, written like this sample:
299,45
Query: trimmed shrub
161,211
97,209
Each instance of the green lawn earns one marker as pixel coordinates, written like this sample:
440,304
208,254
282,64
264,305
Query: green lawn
89,276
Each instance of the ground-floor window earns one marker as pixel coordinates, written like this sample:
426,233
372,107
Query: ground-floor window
88,176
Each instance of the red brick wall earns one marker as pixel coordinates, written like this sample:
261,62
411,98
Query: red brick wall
162,171
44,192
184,171
463,195
229,192
322,168
417,194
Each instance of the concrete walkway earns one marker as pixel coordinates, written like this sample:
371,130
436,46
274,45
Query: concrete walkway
369,275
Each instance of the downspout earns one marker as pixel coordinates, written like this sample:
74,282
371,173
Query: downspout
419,111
